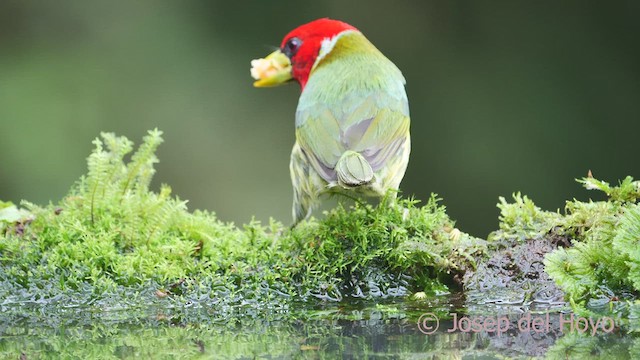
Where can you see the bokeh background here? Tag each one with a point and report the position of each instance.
(504, 96)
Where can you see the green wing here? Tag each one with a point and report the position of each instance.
(375, 126)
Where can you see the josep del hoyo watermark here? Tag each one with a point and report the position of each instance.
(429, 323)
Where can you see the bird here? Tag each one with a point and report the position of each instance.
(352, 120)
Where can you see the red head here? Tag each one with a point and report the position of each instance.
(302, 45)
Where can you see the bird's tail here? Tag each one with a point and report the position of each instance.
(353, 170)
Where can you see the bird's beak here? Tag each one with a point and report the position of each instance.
(273, 70)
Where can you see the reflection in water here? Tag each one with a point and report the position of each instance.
(334, 331)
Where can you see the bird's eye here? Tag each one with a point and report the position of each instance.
(291, 47)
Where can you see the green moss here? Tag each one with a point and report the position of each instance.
(522, 219)
(626, 243)
(382, 251)
(598, 266)
(112, 239)
(112, 233)
(601, 267)
(592, 250)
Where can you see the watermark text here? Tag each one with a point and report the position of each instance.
(429, 323)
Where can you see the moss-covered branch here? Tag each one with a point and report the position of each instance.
(112, 231)
(113, 235)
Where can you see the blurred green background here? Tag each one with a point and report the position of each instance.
(504, 96)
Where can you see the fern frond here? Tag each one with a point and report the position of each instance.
(98, 164)
(140, 170)
(159, 211)
(118, 148)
